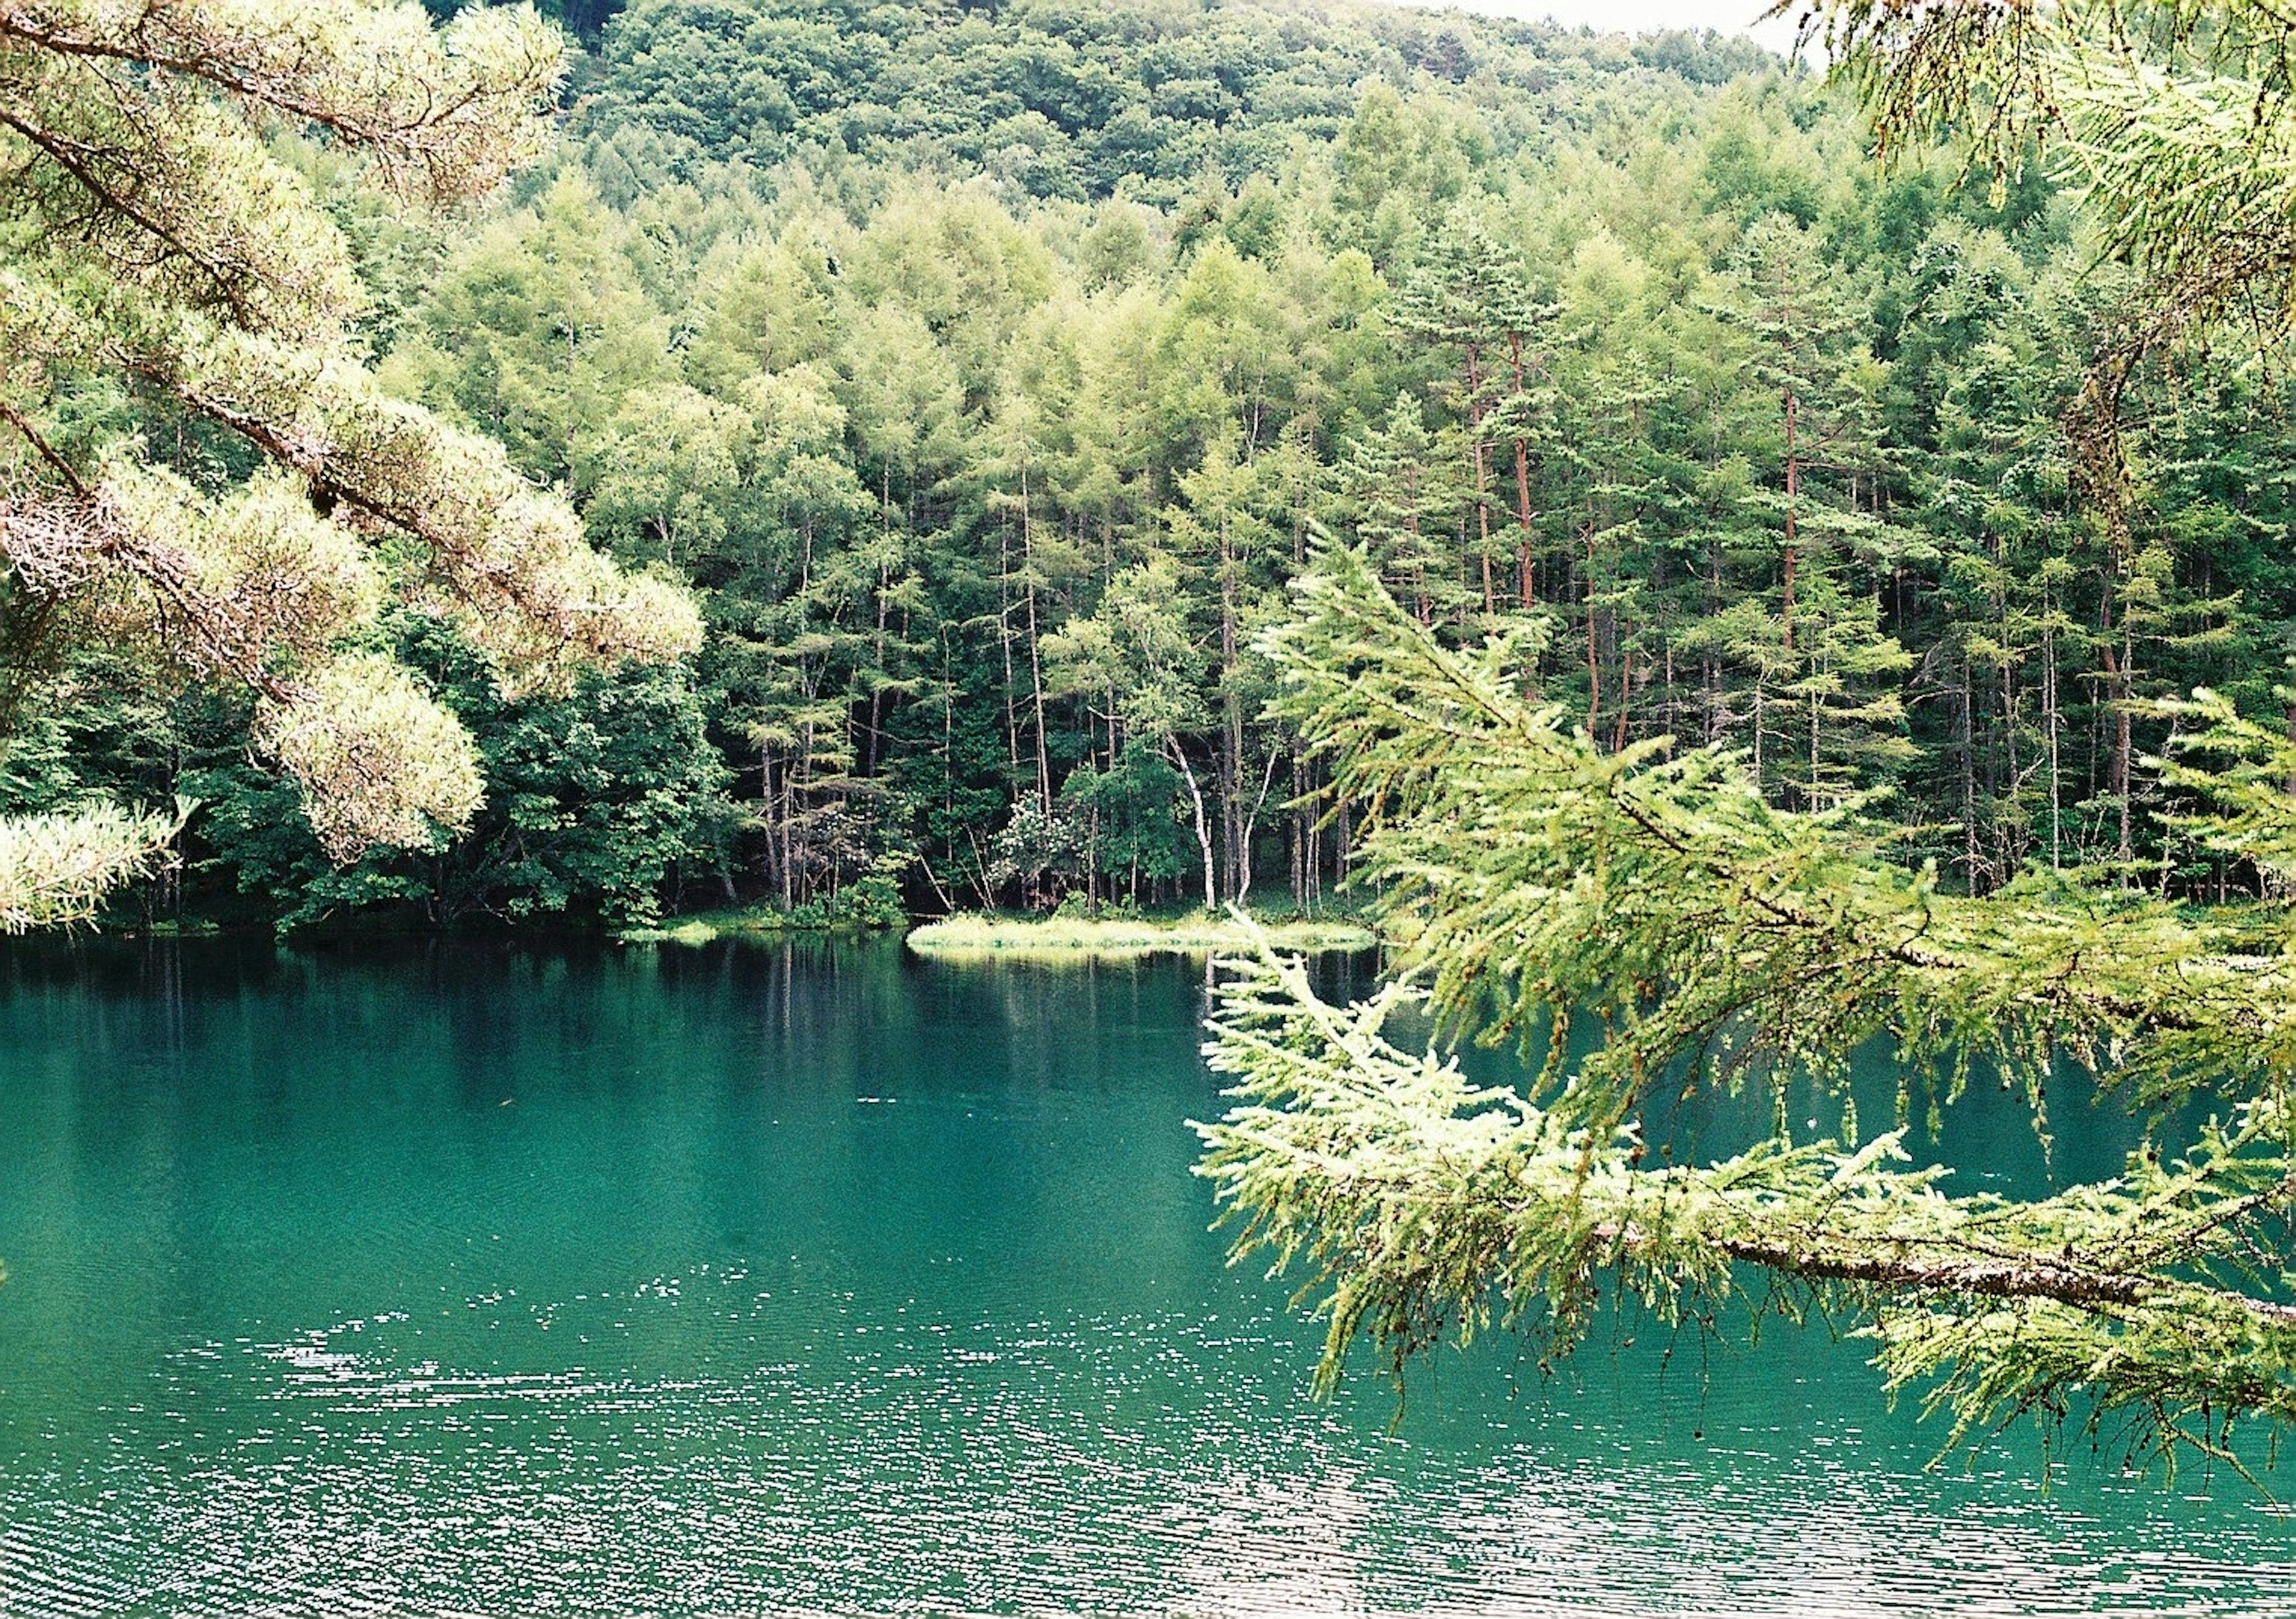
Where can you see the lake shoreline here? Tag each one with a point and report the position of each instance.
(960, 935)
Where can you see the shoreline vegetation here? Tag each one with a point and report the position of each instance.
(976, 934)
(708, 926)
(983, 935)
(966, 935)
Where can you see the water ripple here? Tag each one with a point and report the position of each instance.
(302, 1322)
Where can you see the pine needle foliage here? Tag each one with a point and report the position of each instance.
(1642, 923)
(55, 869)
(2171, 123)
(155, 241)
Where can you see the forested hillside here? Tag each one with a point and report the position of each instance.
(991, 371)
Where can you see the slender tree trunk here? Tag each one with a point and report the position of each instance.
(1298, 824)
(1709, 664)
(947, 742)
(1250, 825)
(877, 687)
(1793, 495)
(1759, 706)
(1036, 660)
(2009, 857)
(1004, 640)
(1312, 825)
(2049, 723)
(1968, 774)
(1626, 686)
(1525, 584)
(1816, 709)
(1482, 500)
(766, 813)
(1178, 756)
(1231, 752)
(2117, 674)
(1594, 657)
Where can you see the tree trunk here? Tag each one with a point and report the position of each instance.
(1230, 764)
(1594, 660)
(877, 687)
(1524, 583)
(1968, 776)
(1297, 828)
(1178, 756)
(1004, 640)
(1482, 501)
(1626, 686)
(1035, 661)
(2049, 725)
(1793, 494)
(2117, 674)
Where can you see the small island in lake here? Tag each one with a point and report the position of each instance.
(1196, 934)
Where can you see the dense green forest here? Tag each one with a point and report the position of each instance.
(991, 371)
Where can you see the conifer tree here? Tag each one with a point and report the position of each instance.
(156, 239)
(1650, 922)
(1400, 504)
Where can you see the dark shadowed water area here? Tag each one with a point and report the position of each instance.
(493, 1278)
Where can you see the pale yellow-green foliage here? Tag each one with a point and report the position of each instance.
(2173, 122)
(1423, 1206)
(285, 581)
(54, 869)
(1643, 924)
(444, 113)
(149, 232)
(382, 762)
(506, 558)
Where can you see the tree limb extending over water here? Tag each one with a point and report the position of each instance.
(1658, 927)
(151, 235)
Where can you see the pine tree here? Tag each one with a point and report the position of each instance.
(1400, 503)
(157, 237)
(1469, 295)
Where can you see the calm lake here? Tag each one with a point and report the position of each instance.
(434, 1277)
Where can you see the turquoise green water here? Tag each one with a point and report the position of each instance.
(473, 1280)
